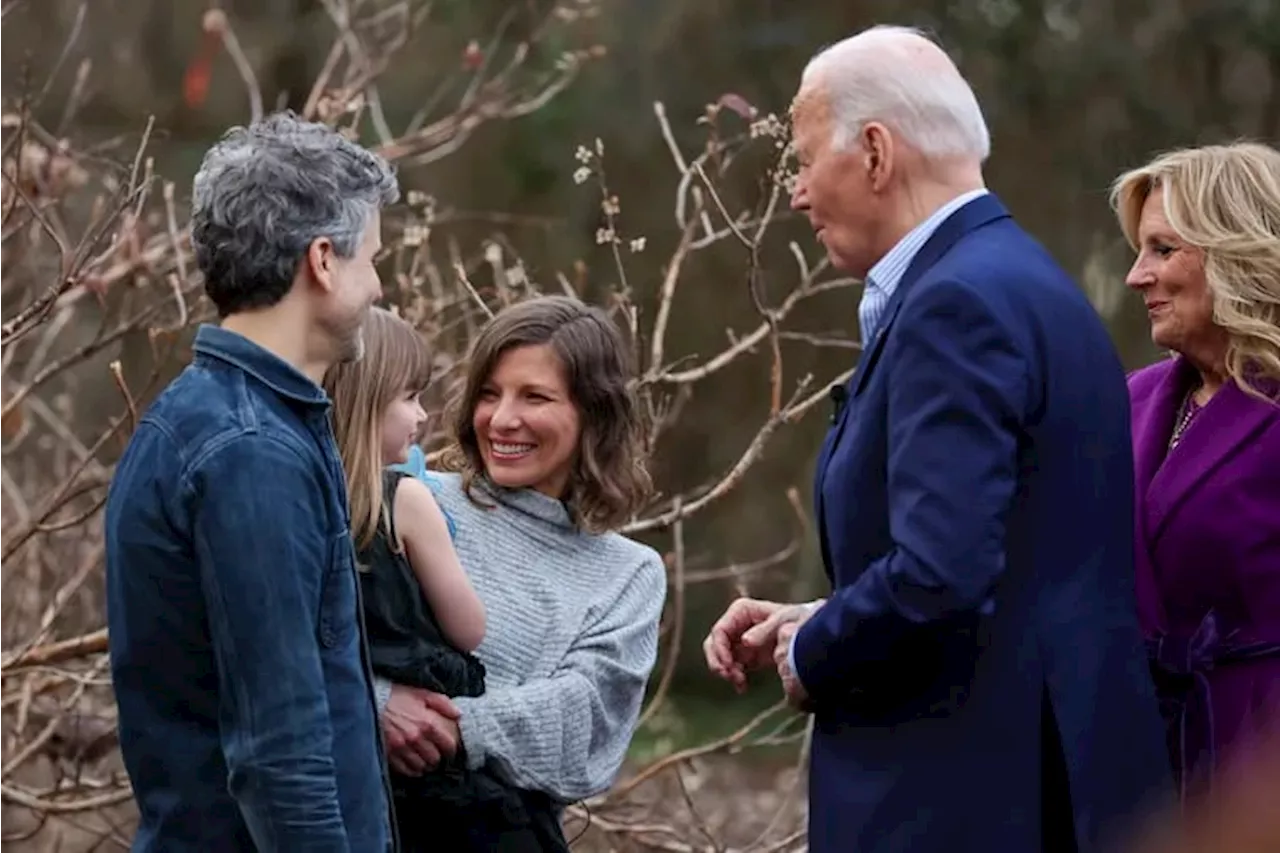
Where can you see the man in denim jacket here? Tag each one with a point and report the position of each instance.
(246, 711)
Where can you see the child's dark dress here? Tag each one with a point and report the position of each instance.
(451, 808)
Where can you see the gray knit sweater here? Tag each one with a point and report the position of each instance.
(572, 638)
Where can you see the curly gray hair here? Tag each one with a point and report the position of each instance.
(265, 192)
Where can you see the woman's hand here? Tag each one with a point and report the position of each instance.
(419, 728)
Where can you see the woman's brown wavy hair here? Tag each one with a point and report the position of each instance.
(609, 483)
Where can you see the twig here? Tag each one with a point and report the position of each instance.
(61, 651)
(752, 338)
(17, 796)
(724, 743)
(243, 66)
(461, 272)
(724, 211)
(666, 295)
(735, 474)
(117, 376)
(676, 596)
(65, 53)
(736, 571)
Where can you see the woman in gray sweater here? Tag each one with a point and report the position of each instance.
(548, 462)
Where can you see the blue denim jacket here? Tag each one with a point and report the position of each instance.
(246, 709)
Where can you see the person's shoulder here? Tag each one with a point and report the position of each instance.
(645, 562)
(418, 490)
(190, 415)
(206, 412)
(445, 486)
(1144, 380)
(1003, 257)
(234, 456)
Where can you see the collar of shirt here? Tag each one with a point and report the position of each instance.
(883, 278)
(274, 372)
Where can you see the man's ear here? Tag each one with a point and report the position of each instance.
(320, 261)
(877, 146)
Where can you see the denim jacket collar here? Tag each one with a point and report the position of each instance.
(273, 371)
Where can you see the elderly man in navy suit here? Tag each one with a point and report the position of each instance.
(977, 678)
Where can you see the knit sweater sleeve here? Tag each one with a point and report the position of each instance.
(568, 733)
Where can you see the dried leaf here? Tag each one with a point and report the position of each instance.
(11, 423)
(738, 104)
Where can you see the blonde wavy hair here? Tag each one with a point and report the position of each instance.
(396, 361)
(1225, 201)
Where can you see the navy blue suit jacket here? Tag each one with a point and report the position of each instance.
(977, 675)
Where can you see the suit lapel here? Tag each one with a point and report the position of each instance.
(982, 210)
(971, 216)
(1227, 422)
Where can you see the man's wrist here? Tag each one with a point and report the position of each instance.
(809, 608)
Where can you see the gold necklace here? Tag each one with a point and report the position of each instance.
(1186, 412)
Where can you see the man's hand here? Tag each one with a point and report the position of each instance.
(791, 685)
(742, 639)
(419, 728)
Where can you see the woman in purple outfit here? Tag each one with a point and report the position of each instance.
(1205, 223)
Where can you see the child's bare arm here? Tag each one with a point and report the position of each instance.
(425, 535)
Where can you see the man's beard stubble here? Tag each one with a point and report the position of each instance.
(352, 348)
(347, 337)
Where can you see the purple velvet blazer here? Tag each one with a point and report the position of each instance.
(1208, 564)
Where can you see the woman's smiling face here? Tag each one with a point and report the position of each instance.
(1170, 275)
(527, 425)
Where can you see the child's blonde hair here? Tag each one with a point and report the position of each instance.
(396, 361)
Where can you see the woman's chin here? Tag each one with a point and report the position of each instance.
(1162, 338)
(502, 475)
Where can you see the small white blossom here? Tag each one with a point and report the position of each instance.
(770, 125)
(583, 154)
(637, 245)
(599, 147)
(605, 235)
(416, 235)
(516, 276)
(610, 206)
(581, 174)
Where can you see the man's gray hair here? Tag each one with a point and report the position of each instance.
(265, 192)
(887, 74)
